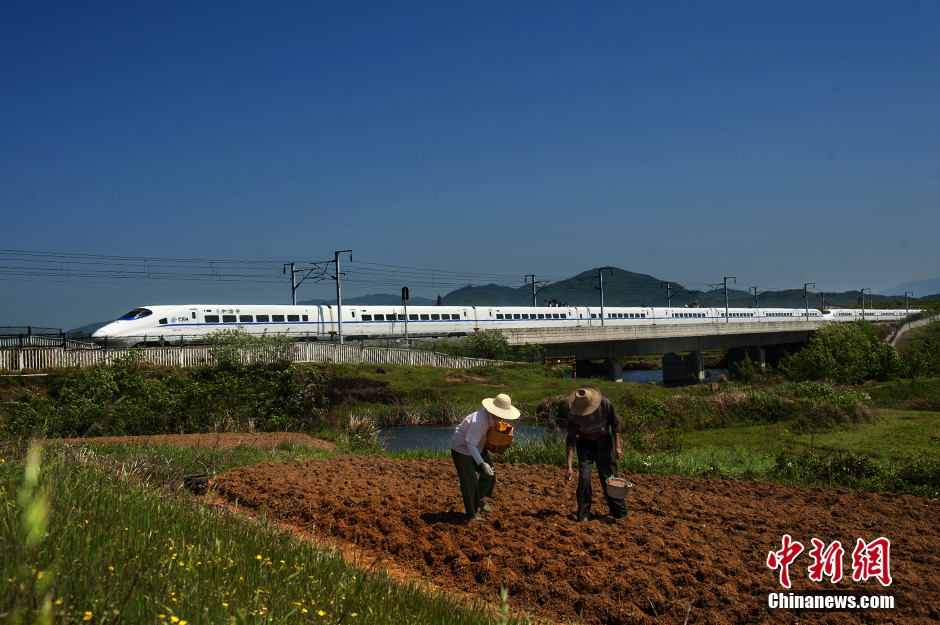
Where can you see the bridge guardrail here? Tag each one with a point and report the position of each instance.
(38, 358)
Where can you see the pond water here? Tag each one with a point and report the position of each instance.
(421, 437)
(656, 376)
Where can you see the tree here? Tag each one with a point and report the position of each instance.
(845, 353)
(491, 344)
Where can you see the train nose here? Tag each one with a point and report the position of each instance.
(100, 334)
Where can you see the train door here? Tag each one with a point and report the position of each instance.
(329, 326)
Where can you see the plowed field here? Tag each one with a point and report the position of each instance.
(687, 542)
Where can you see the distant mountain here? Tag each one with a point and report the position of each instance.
(918, 287)
(626, 288)
(378, 299)
(621, 288)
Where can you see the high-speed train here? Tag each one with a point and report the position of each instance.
(172, 325)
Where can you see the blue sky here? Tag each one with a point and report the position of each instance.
(778, 142)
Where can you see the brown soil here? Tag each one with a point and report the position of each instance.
(228, 440)
(686, 540)
(461, 377)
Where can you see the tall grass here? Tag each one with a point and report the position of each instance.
(81, 544)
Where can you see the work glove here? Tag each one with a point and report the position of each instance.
(488, 469)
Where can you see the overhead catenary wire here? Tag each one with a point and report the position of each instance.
(40, 266)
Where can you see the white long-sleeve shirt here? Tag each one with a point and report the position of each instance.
(470, 436)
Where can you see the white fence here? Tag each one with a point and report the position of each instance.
(38, 358)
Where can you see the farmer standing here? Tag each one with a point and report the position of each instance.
(594, 429)
(474, 467)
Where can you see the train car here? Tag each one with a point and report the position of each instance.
(178, 324)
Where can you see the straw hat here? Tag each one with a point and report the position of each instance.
(501, 407)
(584, 400)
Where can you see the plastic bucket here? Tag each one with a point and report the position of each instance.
(618, 487)
(198, 483)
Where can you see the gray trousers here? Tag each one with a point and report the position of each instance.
(475, 484)
(600, 452)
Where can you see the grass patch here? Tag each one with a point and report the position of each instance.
(82, 542)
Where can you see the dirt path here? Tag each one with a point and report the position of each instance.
(687, 540)
(229, 440)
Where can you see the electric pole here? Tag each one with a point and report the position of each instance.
(806, 296)
(863, 300)
(755, 296)
(600, 276)
(339, 293)
(534, 292)
(293, 287)
(668, 295)
(726, 295)
(907, 306)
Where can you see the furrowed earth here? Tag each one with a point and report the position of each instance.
(692, 550)
(703, 542)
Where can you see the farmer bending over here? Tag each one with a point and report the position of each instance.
(474, 467)
(594, 428)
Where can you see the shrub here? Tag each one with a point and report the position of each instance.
(845, 353)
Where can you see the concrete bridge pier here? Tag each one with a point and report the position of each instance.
(610, 369)
(774, 353)
(736, 356)
(683, 370)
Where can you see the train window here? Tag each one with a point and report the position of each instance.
(162, 321)
(412, 317)
(516, 316)
(593, 316)
(293, 317)
(246, 318)
(379, 318)
(261, 318)
(137, 313)
(364, 317)
(435, 317)
(445, 316)
(643, 315)
(305, 317)
(277, 318)
(554, 315)
(525, 315)
(499, 315)
(228, 318)
(541, 316)
(425, 317)
(401, 317)
(211, 319)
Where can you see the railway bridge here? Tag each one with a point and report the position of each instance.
(761, 341)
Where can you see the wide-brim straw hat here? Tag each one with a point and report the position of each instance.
(501, 406)
(584, 400)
